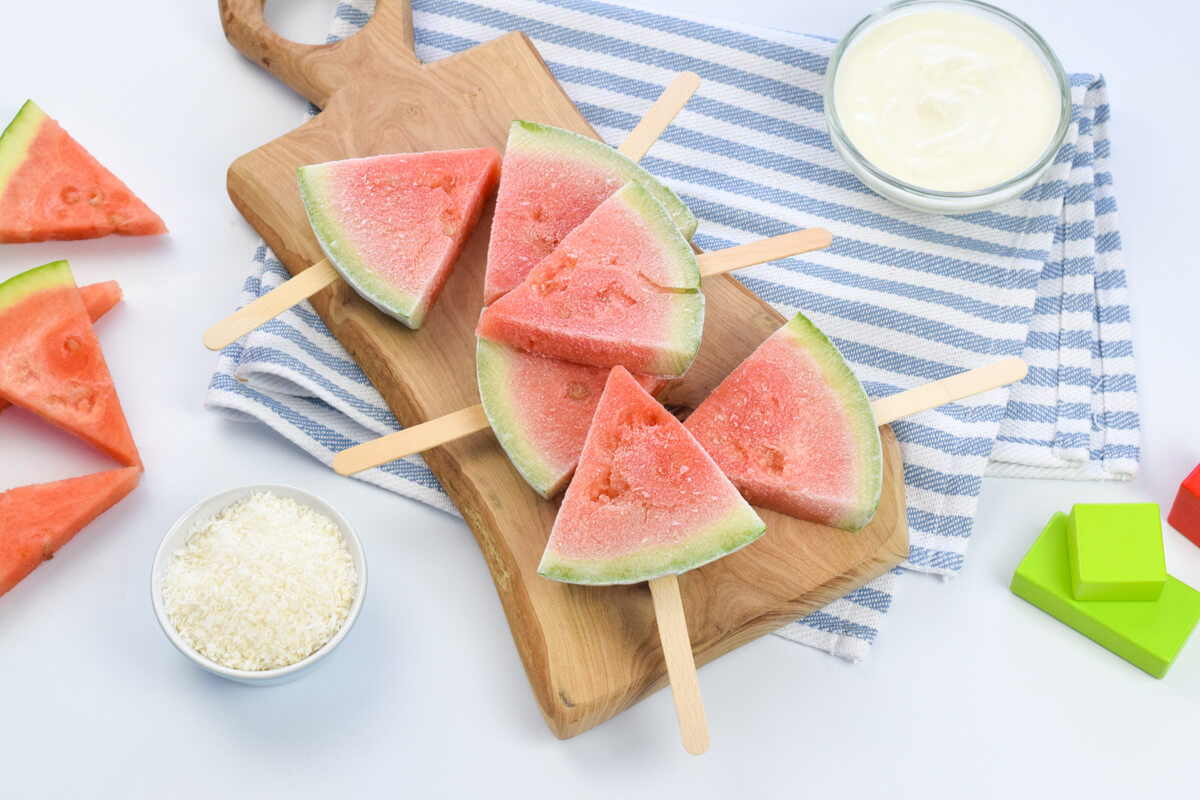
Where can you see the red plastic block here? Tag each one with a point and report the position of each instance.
(1185, 513)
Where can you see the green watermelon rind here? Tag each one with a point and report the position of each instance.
(738, 528)
(16, 139)
(491, 370)
(687, 325)
(535, 137)
(845, 384)
(48, 276)
(344, 257)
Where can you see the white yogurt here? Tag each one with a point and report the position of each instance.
(946, 100)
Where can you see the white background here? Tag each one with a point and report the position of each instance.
(968, 692)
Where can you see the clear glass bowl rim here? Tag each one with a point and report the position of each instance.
(1060, 75)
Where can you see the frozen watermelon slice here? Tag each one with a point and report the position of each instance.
(623, 288)
(540, 409)
(37, 520)
(552, 179)
(51, 364)
(793, 429)
(98, 299)
(51, 188)
(393, 225)
(646, 500)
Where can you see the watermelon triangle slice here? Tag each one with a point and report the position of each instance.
(51, 363)
(623, 289)
(540, 410)
(52, 188)
(394, 225)
(552, 179)
(37, 520)
(98, 299)
(646, 500)
(793, 429)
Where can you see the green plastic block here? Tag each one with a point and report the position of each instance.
(1116, 551)
(1148, 634)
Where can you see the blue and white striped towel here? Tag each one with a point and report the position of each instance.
(907, 297)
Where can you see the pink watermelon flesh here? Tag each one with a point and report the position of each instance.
(394, 225)
(52, 188)
(98, 299)
(37, 520)
(793, 429)
(51, 363)
(540, 410)
(552, 180)
(622, 289)
(646, 500)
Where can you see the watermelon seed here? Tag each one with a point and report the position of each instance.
(70, 195)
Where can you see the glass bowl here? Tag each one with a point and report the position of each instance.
(917, 197)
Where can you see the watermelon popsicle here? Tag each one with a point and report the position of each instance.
(793, 429)
(394, 225)
(647, 503)
(646, 500)
(540, 410)
(552, 180)
(622, 288)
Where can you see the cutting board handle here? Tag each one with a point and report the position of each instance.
(316, 71)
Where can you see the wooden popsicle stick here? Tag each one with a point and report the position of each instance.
(762, 251)
(270, 305)
(681, 666)
(443, 430)
(947, 390)
(659, 117)
(417, 439)
(322, 274)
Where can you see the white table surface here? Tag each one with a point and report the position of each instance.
(968, 692)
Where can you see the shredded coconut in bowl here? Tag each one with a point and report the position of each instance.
(262, 584)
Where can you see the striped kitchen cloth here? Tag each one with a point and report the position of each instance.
(907, 297)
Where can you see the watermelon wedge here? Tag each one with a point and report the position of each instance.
(393, 225)
(51, 363)
(646, 500)
(98, 299)
(51, 188)
(540, 410)
(37, 520)
(552, 180)
(623, 288)
(793, 429)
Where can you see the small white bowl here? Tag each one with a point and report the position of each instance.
(931, 200)
(176, 538)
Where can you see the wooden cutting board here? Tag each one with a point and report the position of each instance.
(589, 653)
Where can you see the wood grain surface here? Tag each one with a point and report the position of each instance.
(589, 652)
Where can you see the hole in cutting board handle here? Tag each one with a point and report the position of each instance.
(301, 21)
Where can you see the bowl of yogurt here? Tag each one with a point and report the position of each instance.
(946, 106)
